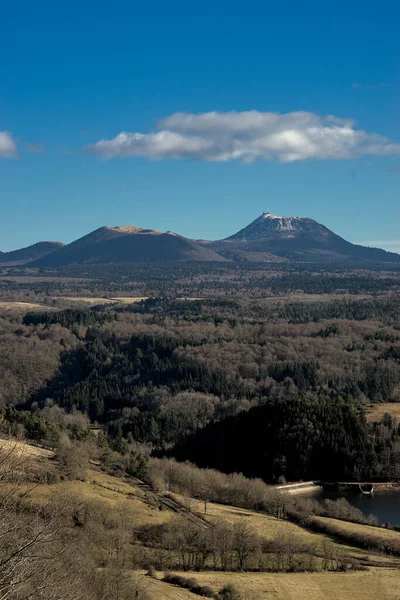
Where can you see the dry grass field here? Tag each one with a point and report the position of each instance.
(23, 449)
(372, 585)
(119, 496)
(159, 590)
(123, 299)
(111, 493)
(266, 526)
(89, 300)
(270, 527)
(343, 528)
(129, 300)
(22, 306)
(93, 300)
(375, 412)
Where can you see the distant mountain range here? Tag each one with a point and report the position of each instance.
(269, 238)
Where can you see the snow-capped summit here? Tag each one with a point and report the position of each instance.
(269, 226)
(293, 238)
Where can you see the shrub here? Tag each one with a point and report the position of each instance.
(73, 458)
(229, 592)
(190, 584)
(151, 572)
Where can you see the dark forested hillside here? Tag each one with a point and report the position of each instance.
(300, 436)
(235, 373)
(130, 384)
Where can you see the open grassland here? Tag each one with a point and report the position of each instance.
(129, 300)
(22, 449)
(109, 492)
(94, 300)
(269, 528)
(22, 306)
(265, 525)
(377, 537)
(372, 585)
(112, 300)
(89, 300)
(159, 590)
(375, 412)
(137, 508)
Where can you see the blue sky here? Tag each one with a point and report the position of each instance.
(74, 75)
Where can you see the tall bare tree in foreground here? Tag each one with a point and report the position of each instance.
(35, 560)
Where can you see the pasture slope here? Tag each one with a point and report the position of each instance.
(142, 506)
(376, 584)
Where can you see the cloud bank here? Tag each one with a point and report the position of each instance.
(248, 136)
(8, 148)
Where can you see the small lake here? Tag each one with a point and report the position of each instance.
(385, 505)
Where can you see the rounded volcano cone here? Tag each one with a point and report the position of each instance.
(125, 244)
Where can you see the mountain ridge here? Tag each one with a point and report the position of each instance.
(269, 238)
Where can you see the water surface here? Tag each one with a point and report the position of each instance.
(385, 506)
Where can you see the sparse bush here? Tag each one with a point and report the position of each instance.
(73, 458)
(152, 572)
(229, 592)
(189, 584)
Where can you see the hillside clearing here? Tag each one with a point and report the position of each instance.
(375, 412)
(114, 494)
(269, 527)
(93, 300)
(159, 590)
(10, 305)
(377, 536)
(265, 525)
(24, 449)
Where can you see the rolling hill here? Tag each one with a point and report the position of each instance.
(28, 254)
(108, 245)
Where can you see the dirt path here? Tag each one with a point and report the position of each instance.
(171, 504)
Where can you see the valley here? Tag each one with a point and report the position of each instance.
(199, 301)
(110, 512)
(163, 407)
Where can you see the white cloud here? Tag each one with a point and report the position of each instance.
(248, 136)
(8, 148)
(164, 144)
